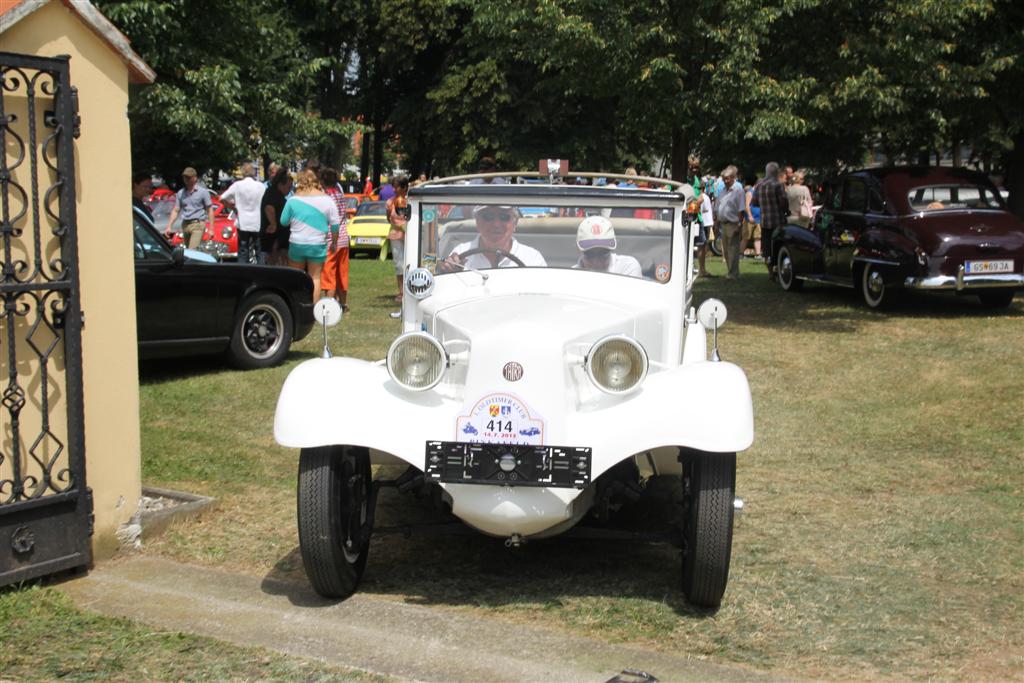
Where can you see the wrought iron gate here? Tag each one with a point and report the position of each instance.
(45, 506)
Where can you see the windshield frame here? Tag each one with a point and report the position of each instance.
(559, 196)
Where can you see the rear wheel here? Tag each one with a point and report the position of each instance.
(787, 273)
(997, 298)
(709, 482)
(873, 290)
(333, 506)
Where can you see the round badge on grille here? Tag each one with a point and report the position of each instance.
(513, 371)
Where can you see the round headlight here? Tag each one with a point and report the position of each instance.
(225, 232)
(617, 364)
(417, 361)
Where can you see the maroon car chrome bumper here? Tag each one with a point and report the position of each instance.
(963, 281)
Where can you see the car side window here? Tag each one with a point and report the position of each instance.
(837, 197)
(875, 202)
(148, 247)
(854, 195)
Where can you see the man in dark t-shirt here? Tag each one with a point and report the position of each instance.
(142, 187)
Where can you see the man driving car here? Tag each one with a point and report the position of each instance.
(495, 245)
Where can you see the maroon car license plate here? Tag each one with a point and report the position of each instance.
(978, 267)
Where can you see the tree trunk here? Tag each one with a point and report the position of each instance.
(1015, 175)
(364, 158)
(680, 154)
(378, 148)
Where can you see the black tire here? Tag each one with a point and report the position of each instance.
(715, 244)
(787, 272)
(709, 482)
(996, 298)
(262, 332)
(333, 504)
(873, 290)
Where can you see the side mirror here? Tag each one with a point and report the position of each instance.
(178, 255)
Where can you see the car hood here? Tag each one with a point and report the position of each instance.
(939, 233)
(546, 323)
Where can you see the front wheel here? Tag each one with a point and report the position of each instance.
(333, 507)
(787, 273)
(709, 482)
(262, 331)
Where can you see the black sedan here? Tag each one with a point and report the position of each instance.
(889, 229)
(188, 307)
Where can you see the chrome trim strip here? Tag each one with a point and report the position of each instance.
(962, 282)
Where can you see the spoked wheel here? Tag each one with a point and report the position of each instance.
(873, 290)
(709, 482)
(333, 509)
(787, 273)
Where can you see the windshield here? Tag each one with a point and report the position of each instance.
(623, 241)
(372, 209)
(952, 197)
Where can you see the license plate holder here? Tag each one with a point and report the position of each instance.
(988, 266)
(370, 241)
(481, 463)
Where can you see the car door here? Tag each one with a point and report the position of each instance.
(845, 227)
(173, 302)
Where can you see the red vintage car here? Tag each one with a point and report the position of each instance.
(221, 242)
(883, 230)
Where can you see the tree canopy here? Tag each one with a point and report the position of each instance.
(821, 83)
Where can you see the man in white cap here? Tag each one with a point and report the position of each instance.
(596, 240)
(495, 245)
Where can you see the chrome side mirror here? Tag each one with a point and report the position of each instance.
(712, 314)
(327, 312)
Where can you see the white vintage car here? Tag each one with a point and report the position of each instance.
(550, 363)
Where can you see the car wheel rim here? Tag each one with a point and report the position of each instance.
(785, 269)
(262, 331)
(874, 286)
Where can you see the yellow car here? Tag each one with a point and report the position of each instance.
(368, 229)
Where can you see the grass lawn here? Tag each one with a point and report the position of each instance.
(883, 534)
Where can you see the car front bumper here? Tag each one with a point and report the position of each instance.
(961, 281)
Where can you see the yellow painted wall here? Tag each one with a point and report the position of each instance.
(106, 266)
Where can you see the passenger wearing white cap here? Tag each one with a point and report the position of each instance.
(495, 246)
(596, 240)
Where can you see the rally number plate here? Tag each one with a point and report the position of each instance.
(508, 464)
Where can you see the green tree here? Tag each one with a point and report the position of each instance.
(234, 81)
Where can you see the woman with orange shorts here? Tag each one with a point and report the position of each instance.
(334, 276)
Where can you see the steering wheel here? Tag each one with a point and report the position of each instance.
(500, 253)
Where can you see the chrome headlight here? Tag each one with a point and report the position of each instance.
(616, 364)
(417, 361)
(225, 232)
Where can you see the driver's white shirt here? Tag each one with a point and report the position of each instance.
(528, 255)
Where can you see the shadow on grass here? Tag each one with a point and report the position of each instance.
(473, 570)
(756, 301)
(159, 370)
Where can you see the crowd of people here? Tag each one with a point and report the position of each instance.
(746, 216)
(300, 221)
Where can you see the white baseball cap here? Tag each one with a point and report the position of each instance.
(595, 232)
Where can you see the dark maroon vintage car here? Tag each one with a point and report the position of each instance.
(888, 229)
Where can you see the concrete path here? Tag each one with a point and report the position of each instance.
(394, 639)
